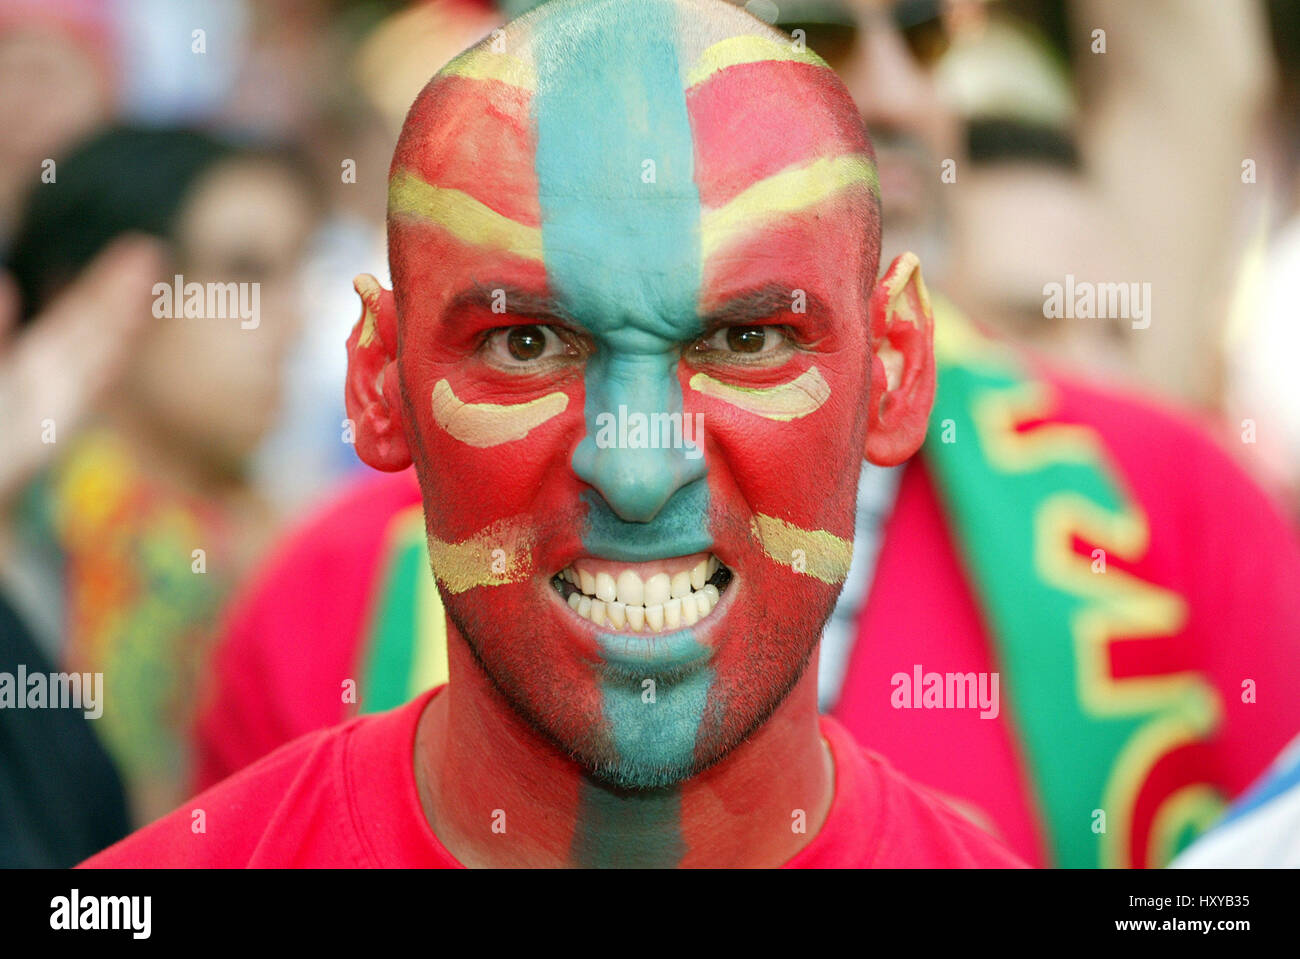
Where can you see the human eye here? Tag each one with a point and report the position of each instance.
(528, 347)
(748, 344)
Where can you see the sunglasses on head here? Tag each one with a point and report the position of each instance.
(831, 28)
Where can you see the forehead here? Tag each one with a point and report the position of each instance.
(626, 151)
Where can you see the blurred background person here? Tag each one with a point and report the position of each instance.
(1025, 214)
(329, 76)
(148, 516)
(1263, 338)
(60, 795)
(58, 76)
(1073, 133)
(373, 57)
(1079, 163)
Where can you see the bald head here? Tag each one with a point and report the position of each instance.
(628, 149)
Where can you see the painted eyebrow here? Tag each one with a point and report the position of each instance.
(746, 308)
(519, 302)
(759, 304)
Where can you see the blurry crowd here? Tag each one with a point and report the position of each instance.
(149, 460)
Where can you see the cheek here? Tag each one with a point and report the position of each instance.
(796, 456)
(795, 452)
(484, 456)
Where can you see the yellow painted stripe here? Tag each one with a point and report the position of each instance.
(481, 63)
(813, 552)
(788, 401)
(462, 216)
(489, 424)
(996, 413)
(791, 190)
(735, 51)
(501, 553)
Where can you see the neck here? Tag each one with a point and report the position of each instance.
(498, 794)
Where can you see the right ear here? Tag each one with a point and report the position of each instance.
(372, 395)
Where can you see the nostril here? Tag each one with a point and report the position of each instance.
(636, 483)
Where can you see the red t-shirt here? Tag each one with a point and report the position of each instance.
(346, 797)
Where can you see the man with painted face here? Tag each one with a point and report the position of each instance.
(599, 224)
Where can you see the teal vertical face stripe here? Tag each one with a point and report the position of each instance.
(621, 252)
(621, 223)
(627, 830)
(621, 240)
(678, 529)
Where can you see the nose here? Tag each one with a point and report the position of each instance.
(636, 452)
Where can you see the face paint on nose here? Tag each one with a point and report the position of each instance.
(621, 240)
(620, 233)
(636, 475)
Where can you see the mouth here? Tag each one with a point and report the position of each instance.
(653, 597)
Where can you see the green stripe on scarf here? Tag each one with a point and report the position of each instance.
(406, 645)
(1014, 501)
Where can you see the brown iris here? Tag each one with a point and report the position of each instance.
(526, 342)
(746, 339)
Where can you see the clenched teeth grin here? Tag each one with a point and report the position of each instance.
(655, 597)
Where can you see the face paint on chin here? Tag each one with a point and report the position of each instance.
(584, 688)
(556, 671)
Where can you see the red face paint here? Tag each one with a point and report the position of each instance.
(509, 504)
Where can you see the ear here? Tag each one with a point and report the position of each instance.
(372, 395)
(902, 364)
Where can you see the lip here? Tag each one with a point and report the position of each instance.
(646, 568)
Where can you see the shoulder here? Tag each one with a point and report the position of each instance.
(227, 825)
(881, 818)
(294, 807)
(920, 830)
(222, 826)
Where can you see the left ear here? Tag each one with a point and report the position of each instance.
(902, 364)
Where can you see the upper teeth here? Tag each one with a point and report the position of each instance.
(660, 602)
